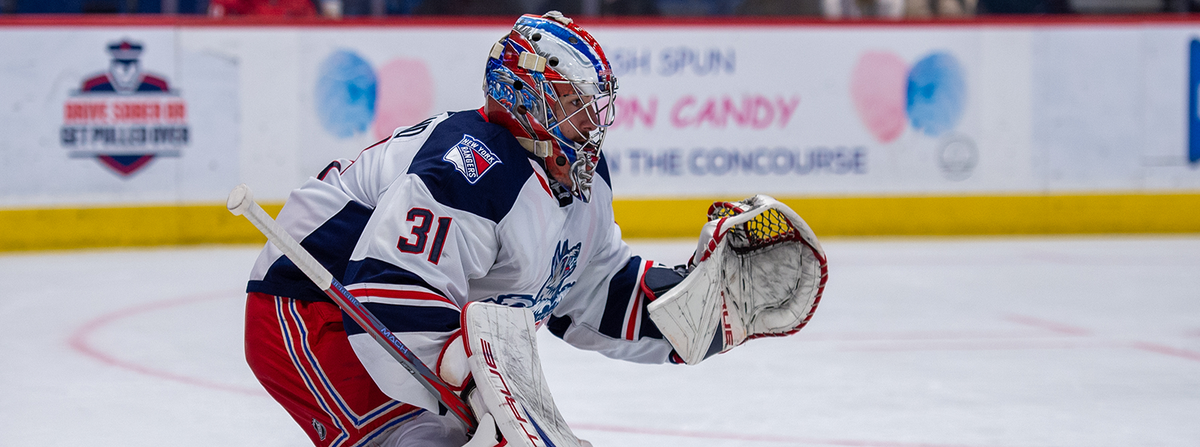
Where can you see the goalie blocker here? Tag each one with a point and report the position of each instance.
(758, 271)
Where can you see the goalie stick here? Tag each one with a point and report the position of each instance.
(241, 203)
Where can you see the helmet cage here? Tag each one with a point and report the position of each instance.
(543, 74)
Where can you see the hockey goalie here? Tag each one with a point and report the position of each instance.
(464, 234)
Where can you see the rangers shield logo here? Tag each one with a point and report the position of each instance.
(472, 158)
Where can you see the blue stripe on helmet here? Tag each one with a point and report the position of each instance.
(565, 34)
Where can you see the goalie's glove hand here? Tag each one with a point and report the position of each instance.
(485, 434)
(758, 271)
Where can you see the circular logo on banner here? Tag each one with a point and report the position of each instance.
(352, 96)
(936, 93)
(930, 96)
(877, 88)
(405, 95)
(958, 157)
(345, 94)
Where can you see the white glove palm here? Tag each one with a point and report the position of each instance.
(758, 271)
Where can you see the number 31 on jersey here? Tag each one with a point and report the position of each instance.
(422, 220)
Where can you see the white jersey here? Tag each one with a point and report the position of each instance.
(454, 210)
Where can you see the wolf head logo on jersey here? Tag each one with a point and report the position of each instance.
(472, 158)
(563, 266)
(555, 287)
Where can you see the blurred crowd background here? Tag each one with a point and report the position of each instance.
(833, 9)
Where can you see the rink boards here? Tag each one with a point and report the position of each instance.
(983, 127)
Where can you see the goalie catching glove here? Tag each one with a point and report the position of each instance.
(758, 271)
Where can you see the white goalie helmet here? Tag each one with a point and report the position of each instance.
(550, 84)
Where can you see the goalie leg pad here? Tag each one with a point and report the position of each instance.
(502, 352)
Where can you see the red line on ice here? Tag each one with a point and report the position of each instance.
(914, 336)
(1048, 325)
(80, 342)
(1166, 350)
(983, 345)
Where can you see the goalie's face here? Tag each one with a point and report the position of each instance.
(581, 117)
(576, 115)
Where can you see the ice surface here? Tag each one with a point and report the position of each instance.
(999, 342)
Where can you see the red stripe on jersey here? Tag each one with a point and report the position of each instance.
(545, 186)
(403, 294)
(633, 316)
(635, 306)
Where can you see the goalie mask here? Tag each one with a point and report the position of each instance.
(549, 83)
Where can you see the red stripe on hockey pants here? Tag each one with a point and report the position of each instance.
(299, 352)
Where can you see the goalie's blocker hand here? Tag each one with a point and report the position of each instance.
(758, 271)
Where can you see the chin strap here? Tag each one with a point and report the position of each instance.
(540, 148)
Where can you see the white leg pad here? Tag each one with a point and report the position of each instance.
(502, 352)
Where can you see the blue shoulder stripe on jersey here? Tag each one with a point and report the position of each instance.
(375, 271)
(331, 244)
(602, 169)
(620, 289)
(489, 193)
(400, 319)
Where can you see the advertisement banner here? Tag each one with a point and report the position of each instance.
(114, 116)
(790, 112)
(128, 115)
(933, 128)
(701, 111)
